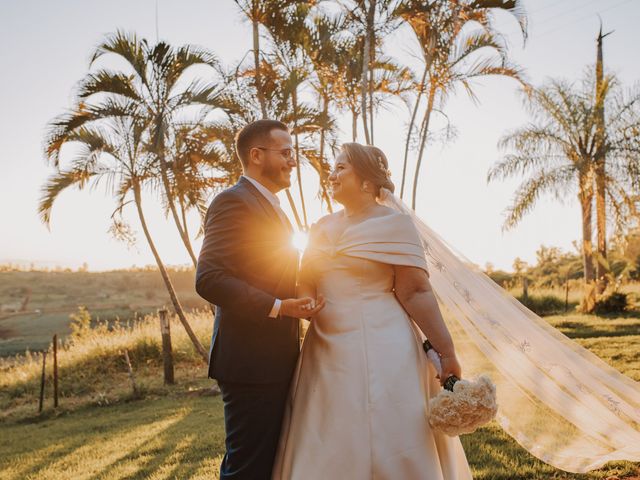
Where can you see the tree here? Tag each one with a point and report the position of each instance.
(112, 151)
(256, 12)
(323, 46)
(454, 55)
(370, 21)
(559, 150)
(152, 87)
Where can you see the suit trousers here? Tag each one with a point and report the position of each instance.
(253, 418)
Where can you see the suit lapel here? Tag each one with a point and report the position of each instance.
(264, 203)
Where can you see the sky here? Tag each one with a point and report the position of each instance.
(44, 51)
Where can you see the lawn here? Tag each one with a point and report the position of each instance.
(159, 438)
(180, 436)
(101, 431)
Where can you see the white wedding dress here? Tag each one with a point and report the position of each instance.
(358, 406)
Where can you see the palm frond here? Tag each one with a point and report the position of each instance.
(185, 57)
(105, 81)
(56, 183)
(129, 47)
(530, 191)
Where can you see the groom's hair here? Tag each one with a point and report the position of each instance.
(255, 134)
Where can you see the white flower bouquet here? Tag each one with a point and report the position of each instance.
(463, 405)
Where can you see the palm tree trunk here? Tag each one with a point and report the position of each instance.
(601, 222)
(183, 215)
(185, 229)
(294, 101)
(411, 124)
(354, 125)
(294, 209)
(586, 204)
(372, 58)
(325, 195)
(423, 141)
(600, 171)
(364, 83)
(256, 61)
(174, 212)
(165, 277)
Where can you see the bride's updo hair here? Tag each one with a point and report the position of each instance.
(370, 164)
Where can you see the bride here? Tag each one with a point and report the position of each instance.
(358, 403)
(358, 406)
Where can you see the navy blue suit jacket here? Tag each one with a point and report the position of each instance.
(246, 262)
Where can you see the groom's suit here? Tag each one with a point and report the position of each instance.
(248, 261)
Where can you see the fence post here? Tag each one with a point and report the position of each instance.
(55, 371)
(566, 296)
(167, 354)
(42, 379)
(134, 387)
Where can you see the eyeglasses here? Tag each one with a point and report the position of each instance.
(285, 152)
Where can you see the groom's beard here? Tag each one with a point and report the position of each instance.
(277, 174)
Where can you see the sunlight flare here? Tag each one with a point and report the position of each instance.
(300, 240)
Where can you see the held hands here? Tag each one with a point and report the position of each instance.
(304, 307)
(450, 366)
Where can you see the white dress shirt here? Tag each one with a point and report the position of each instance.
(275, 202)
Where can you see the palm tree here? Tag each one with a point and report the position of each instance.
(389, 79)
(287, 27)
(201, 167)
(370, 21)
(323, 46)
(451, 55)
(114, 152)
(559, 150)
(152, 89)
(616, 158)
(257, 12)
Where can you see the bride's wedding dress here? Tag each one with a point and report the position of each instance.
(358, 405)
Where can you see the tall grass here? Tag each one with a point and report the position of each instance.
(88, 364)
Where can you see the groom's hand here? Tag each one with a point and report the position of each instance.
(304, 307)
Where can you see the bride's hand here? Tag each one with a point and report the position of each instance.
(304, 307)
(450, 366)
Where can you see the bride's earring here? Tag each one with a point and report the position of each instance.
(364, 187)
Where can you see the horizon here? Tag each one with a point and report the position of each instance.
(561, 44)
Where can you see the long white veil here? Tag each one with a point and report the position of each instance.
(558, 400)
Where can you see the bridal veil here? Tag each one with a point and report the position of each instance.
(558, 400)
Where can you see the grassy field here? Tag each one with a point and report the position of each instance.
(53, 296)
(180, 436)
(101, 430)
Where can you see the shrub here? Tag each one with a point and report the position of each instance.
(616, 302)
(543, 304)
(80, 322)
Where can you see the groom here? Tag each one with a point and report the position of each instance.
(247, 268)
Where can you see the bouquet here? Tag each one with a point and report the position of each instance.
(463, 405)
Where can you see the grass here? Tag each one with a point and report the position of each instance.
(576, 325)
(101, 430)
(159, 438)
(178, 436)
(92, 369)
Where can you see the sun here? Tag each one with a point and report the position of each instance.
(300, 240)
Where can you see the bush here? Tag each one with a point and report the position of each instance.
(543, 305)
(615, 303)
(80, 322)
